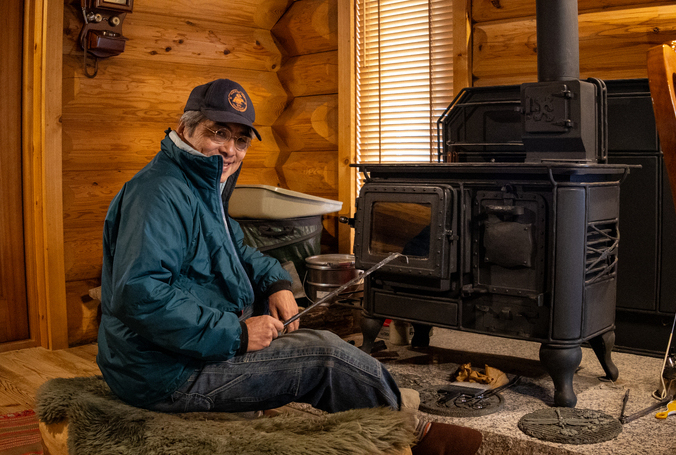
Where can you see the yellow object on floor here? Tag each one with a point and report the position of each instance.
(492, 376)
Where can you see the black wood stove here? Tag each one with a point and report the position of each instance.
(514, 231)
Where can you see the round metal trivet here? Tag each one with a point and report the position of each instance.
(440, 401)
(570, 425)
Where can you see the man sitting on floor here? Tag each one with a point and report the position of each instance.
(192, 317)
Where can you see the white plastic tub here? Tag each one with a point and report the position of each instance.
(273, 203)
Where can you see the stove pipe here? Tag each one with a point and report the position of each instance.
(558, 46)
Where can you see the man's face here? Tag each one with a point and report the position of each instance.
(208, 139)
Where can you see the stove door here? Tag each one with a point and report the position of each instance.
(418, 221)
(510, 243)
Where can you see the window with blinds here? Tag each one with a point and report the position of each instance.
(404, 78)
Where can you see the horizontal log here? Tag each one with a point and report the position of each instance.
(312, 74)
(618, 73)
(608, 41)
(259, 176)
(177, 40)
(308, 27)
(122, 146)
(309, 123)
(83, 312)
(83, 253)
(259, 13)
(494, 10)
(312, 172)
(87, 195)
(156, 92)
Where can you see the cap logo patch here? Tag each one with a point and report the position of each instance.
(237, 100)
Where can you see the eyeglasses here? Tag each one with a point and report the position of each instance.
(224, 135)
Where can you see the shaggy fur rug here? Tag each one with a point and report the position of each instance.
(100, 423)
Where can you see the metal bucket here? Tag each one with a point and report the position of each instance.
(327, 272)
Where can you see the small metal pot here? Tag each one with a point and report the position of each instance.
(327, 272)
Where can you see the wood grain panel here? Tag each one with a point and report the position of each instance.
(18, 369)
(130, 145)
(312, 172)
(204, 42)
(608, 41)
(87, 195)
(312, 74)
(181, 40)
(308, 27)
(310, 123)
(258, 13)
(260, 176)
(13, 303)
(83, 254)
(493, 10)
(617, 73)
(83, 312)
(156, 93)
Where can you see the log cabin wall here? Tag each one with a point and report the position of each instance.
(614, 38)
(307, 131)
(113, 123)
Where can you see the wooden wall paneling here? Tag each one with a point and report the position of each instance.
(84, 313)
(41, 129)
(493, 10)
(310, 123)
(260, 176)
(313, 172)
(610, 42)
(177, 40)
(311, 74)
(87, 195)
(258, 13)
(462, 44)
(14, 322)
(110, 146)
(83, 253)
(153, 92)
(308, 27)
(347, 176)
(200, 42)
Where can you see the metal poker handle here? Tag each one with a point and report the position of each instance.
(352, 282)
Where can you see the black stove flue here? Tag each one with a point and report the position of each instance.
(514, 231)
(557, 40)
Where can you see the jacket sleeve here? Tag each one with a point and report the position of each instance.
(146, 245)
(266, 273)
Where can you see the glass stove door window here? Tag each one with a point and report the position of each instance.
(404, 77)
(401, 227)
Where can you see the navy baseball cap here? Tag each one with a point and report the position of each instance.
(223, 101)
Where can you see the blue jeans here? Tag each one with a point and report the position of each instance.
(305, 366)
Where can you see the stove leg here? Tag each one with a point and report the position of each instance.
(370, 327)
(603, 346)
(561, 364)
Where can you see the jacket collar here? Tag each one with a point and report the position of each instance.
(204, 172)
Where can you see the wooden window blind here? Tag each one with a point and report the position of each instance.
(404, 80)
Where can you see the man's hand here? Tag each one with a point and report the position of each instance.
(262, 330)
(282, 307)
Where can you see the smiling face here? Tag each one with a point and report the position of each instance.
(204, 140)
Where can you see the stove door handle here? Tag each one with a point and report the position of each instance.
(514, 210)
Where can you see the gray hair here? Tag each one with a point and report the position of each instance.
(190, 120)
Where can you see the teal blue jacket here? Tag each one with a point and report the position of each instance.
(175, 278)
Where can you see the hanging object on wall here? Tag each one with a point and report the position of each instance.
(101, 36)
